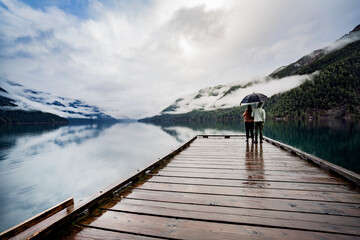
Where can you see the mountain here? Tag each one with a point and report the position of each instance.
(20, 104)
(322, 83)
(33, 117)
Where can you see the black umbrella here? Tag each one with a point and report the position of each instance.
(253, 98)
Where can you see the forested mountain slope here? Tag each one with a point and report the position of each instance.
(334, 92)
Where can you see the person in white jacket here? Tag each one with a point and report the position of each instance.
(259, 119)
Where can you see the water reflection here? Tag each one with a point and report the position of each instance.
(184, 132)
(9, 135)
(43, 165)
(79, 134)
(254, 161)
(202, 127)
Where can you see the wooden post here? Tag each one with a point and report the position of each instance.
(36, 219)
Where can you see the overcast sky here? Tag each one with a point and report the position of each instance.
(134, 58)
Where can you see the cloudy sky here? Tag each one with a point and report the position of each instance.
(135, 57)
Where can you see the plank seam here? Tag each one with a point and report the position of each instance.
(246, 187)
(244, 179)
(230, 222)
(122, 231)
(232, 214)
(250, 170)
(235, 171)
(247, 196)
(275, 210)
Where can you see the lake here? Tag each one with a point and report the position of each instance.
(42, 165)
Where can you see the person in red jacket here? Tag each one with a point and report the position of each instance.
(249, 123)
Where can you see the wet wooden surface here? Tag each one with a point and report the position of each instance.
(227, 189)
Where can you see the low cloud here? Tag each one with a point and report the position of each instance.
(220, 96)
(352, 37)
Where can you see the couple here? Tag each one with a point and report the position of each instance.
(258, 116)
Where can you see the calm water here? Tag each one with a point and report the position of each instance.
(41, 165)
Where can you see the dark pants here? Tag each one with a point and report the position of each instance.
(259, 126)
(249, 127)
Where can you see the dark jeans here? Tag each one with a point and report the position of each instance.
(249, 127)
(259, 126)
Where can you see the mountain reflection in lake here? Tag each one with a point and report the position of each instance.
(42, 165)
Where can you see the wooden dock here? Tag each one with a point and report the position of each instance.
(221, 187)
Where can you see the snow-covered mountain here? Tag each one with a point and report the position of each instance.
(281, 80)
(14, 96)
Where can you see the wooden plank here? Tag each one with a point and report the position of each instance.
(172, 228)
(235, 144)
(341, 209)
(99, 234)
(231, 152)
(302, 179)
(241, 172)
(249, 167)
(236, 219)
(235, 147)
(251, 192)
(244, 160)
(36, 219)
(217, 136)
(45, 224)
(266, 214)
(239, 155)
(76, 232)
(257, 184)
(223, 155)
(243, 164)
